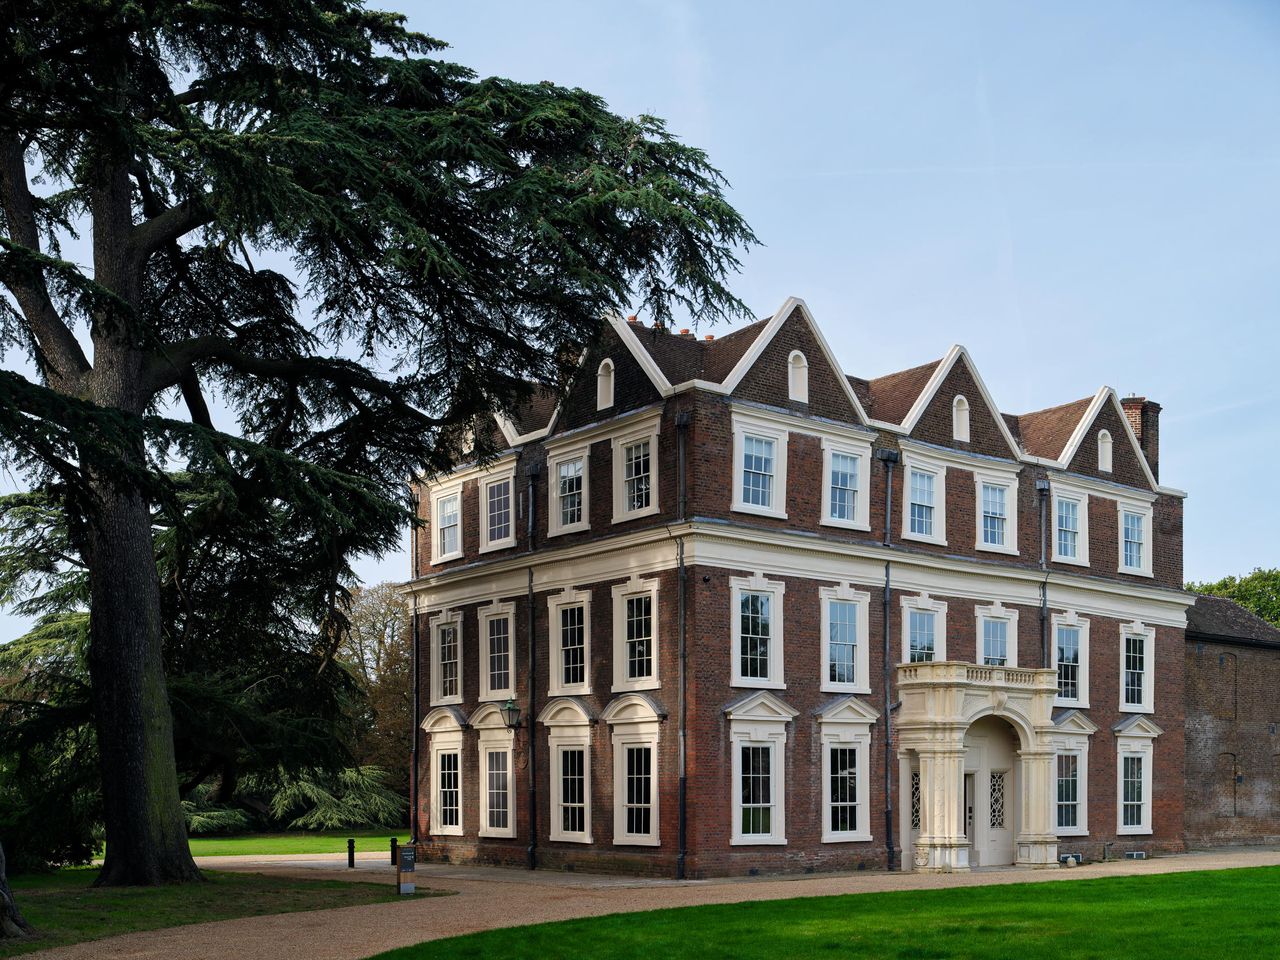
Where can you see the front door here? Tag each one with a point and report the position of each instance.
(990, 792)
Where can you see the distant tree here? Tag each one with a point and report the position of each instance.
(379, 649)
(1258, 591)
(456, 239)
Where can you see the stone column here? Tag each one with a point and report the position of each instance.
(942, 846)
(1036, 844)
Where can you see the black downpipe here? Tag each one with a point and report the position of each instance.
(533, 703)
(1042, 487)
(682, 427)
(417, 675)
(888, 458)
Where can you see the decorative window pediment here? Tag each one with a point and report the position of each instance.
(633, 708)
(444, 720)
(1137, 726)
(847, 710)
(566, 712)
(761, 706)
(1074, 722)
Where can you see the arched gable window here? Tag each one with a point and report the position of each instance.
(1104, 451)
(960, 419)
(604, 385)
(797, 377)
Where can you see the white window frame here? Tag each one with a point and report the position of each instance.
(860, 451)
(997, 612)
(446, 741)
(960, 419)
(568, 598)
(507, 476)
(1072, 738)
(855, 734)
(439, 495)
(635, 587)
(914, 463)
(752, 732)
(572, 734)
(1063, 491)
(797, 377)
(1140, 629)
(924, 602)
(1134, 745)
(845, 593)
(604, 384)
(484, 615)
(494, 737)
(1010, 484)
(644, 431)
(1147, 513)
(434, 623)
(1070, 618)
(745, 426)
(634, 724)
(556, 457)
(777, 589)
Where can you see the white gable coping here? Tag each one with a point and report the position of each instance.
(940, 374)
(1090, 415)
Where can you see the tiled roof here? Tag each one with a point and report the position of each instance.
(1045, 433)
(1218, 617)
(892, 396)
(535, 412)
(683, 358)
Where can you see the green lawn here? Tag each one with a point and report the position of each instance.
(1230, 913)
(66, 909)
(335, 842)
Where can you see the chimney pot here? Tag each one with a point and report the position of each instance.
(709, 336)
(684, 331)
(632, 319)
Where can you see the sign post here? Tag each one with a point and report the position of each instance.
(406, 857)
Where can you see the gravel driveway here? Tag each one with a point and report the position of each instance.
(492, 897)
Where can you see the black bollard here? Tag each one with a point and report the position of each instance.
(351, 853)
(395, 842)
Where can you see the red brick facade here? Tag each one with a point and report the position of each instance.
(806, 555)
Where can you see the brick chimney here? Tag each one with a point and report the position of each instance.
(1144, 417)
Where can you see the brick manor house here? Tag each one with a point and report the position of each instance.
(724, 609)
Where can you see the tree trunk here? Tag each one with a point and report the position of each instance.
(146, 831)
(12, 925)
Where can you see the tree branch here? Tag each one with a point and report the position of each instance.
(57, 351)
(175, 222)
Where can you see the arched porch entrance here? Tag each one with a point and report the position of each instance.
(975, 765)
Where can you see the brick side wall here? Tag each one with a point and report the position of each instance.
(1125, 467)
(1233, 744)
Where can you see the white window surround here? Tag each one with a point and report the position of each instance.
(847, 724)
(1146, 512)
(1135, 738)
(960, 419)
(1070, 736)
(633, 723)
(913, 462)
(635, 587)
(604, 385)
(568, 727)
(494, 737)
(434, 623)
(437, 496)
(555, 603)
(861, 661)
(1009, 481)
(797, 377)
(760, 719)
(1070, 618)
(508, 476)
(1080, 495)
(1140, 629)
(496, 611)
(939, 609)
(1104, 451)
(646, 429)
(777, 590)
(555, 457)
(1009, 615)
(861, 451)
(446, 737)
(746, 426)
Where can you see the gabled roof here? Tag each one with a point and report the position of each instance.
(893, 395)
(1217, 618)
(530, 418)
(1045, 432)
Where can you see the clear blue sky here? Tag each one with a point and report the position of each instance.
(1081, 194)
